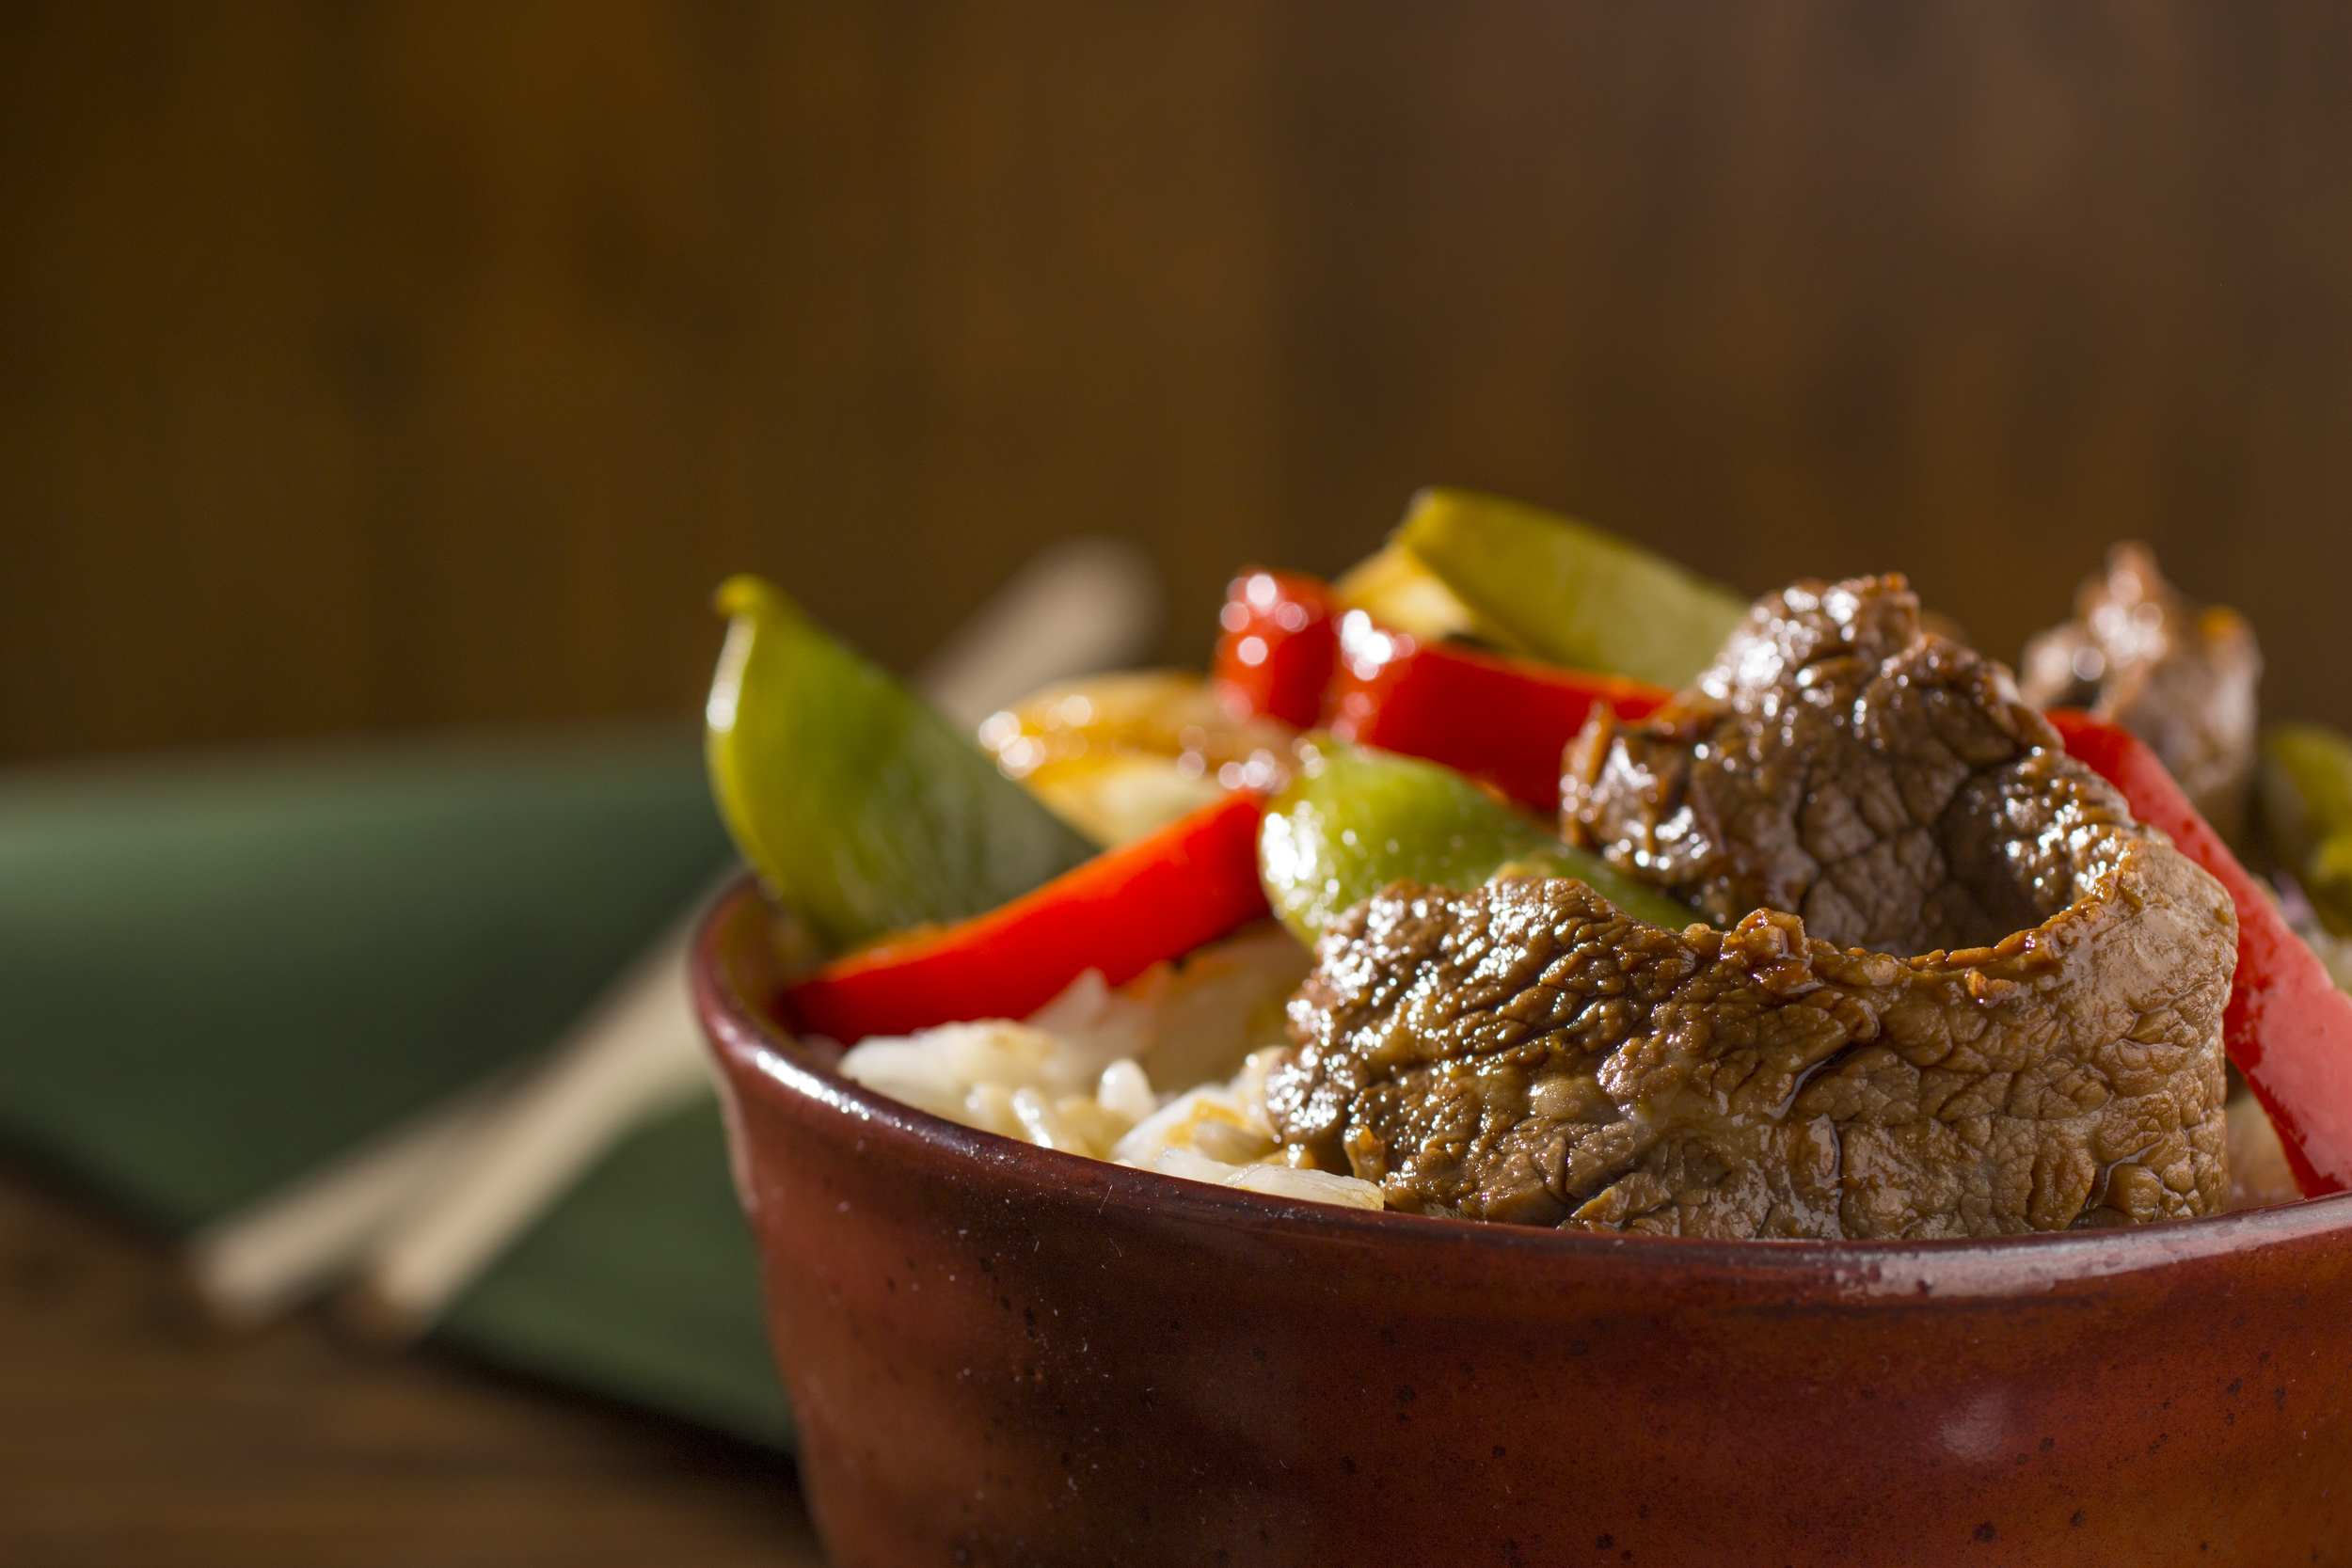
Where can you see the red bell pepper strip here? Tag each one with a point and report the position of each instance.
(1280, 639)
(1160, 897)
(2288, 1028)
(1494, 717)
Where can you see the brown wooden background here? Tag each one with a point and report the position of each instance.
(374, 366)
(378, 366)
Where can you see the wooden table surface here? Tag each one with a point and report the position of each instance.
(133, 1429)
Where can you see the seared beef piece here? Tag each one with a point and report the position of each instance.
(1839, 762)
(2180, 676)
(1531, 1054)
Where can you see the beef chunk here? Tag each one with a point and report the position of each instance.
(1841, 764)
(1529, 1053)
(2179, 675)
(1958, 991)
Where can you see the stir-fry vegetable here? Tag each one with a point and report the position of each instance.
(1281, 638)
(2306, 780)
(1570, 592)
(1502, 719)
(858, 803)
(1121, 755)
(1121, 912)
(1359, 819)
(2288, 1029)
(1496, 718)
(1392, 587)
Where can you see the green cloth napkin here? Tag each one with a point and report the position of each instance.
(641, 1285)
(217, 975)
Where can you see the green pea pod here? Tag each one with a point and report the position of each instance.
(2306, 798)
(1572, 592)
(1359, 820)
(861, 805)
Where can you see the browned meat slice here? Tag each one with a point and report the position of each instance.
(1839, 762)
(1529, 1053)
(2179, 675)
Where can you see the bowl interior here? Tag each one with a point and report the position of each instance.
(741, 966)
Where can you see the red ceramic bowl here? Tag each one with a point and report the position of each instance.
(1002, 1354)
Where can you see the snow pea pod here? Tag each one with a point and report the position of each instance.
(857, 802)
(1571, 592)
(1358, 819)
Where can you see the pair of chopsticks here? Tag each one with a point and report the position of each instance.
(404, 1224)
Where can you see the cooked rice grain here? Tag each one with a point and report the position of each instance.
(1078, 1075)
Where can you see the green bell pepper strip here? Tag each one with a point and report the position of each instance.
(1572, 592)
(2306, 798)
(1358, 819)
(859, 805)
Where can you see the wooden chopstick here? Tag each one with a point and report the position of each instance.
(419, 1213)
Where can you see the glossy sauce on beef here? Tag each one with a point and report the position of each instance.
(1948, 986)
(2181, 677)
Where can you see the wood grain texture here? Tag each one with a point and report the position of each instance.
(404, 364)
(1963, 291)
(385, 365)
(135, 1432)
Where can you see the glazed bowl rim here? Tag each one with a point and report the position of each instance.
(754, 1048)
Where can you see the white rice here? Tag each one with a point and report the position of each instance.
(1166, 1072)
